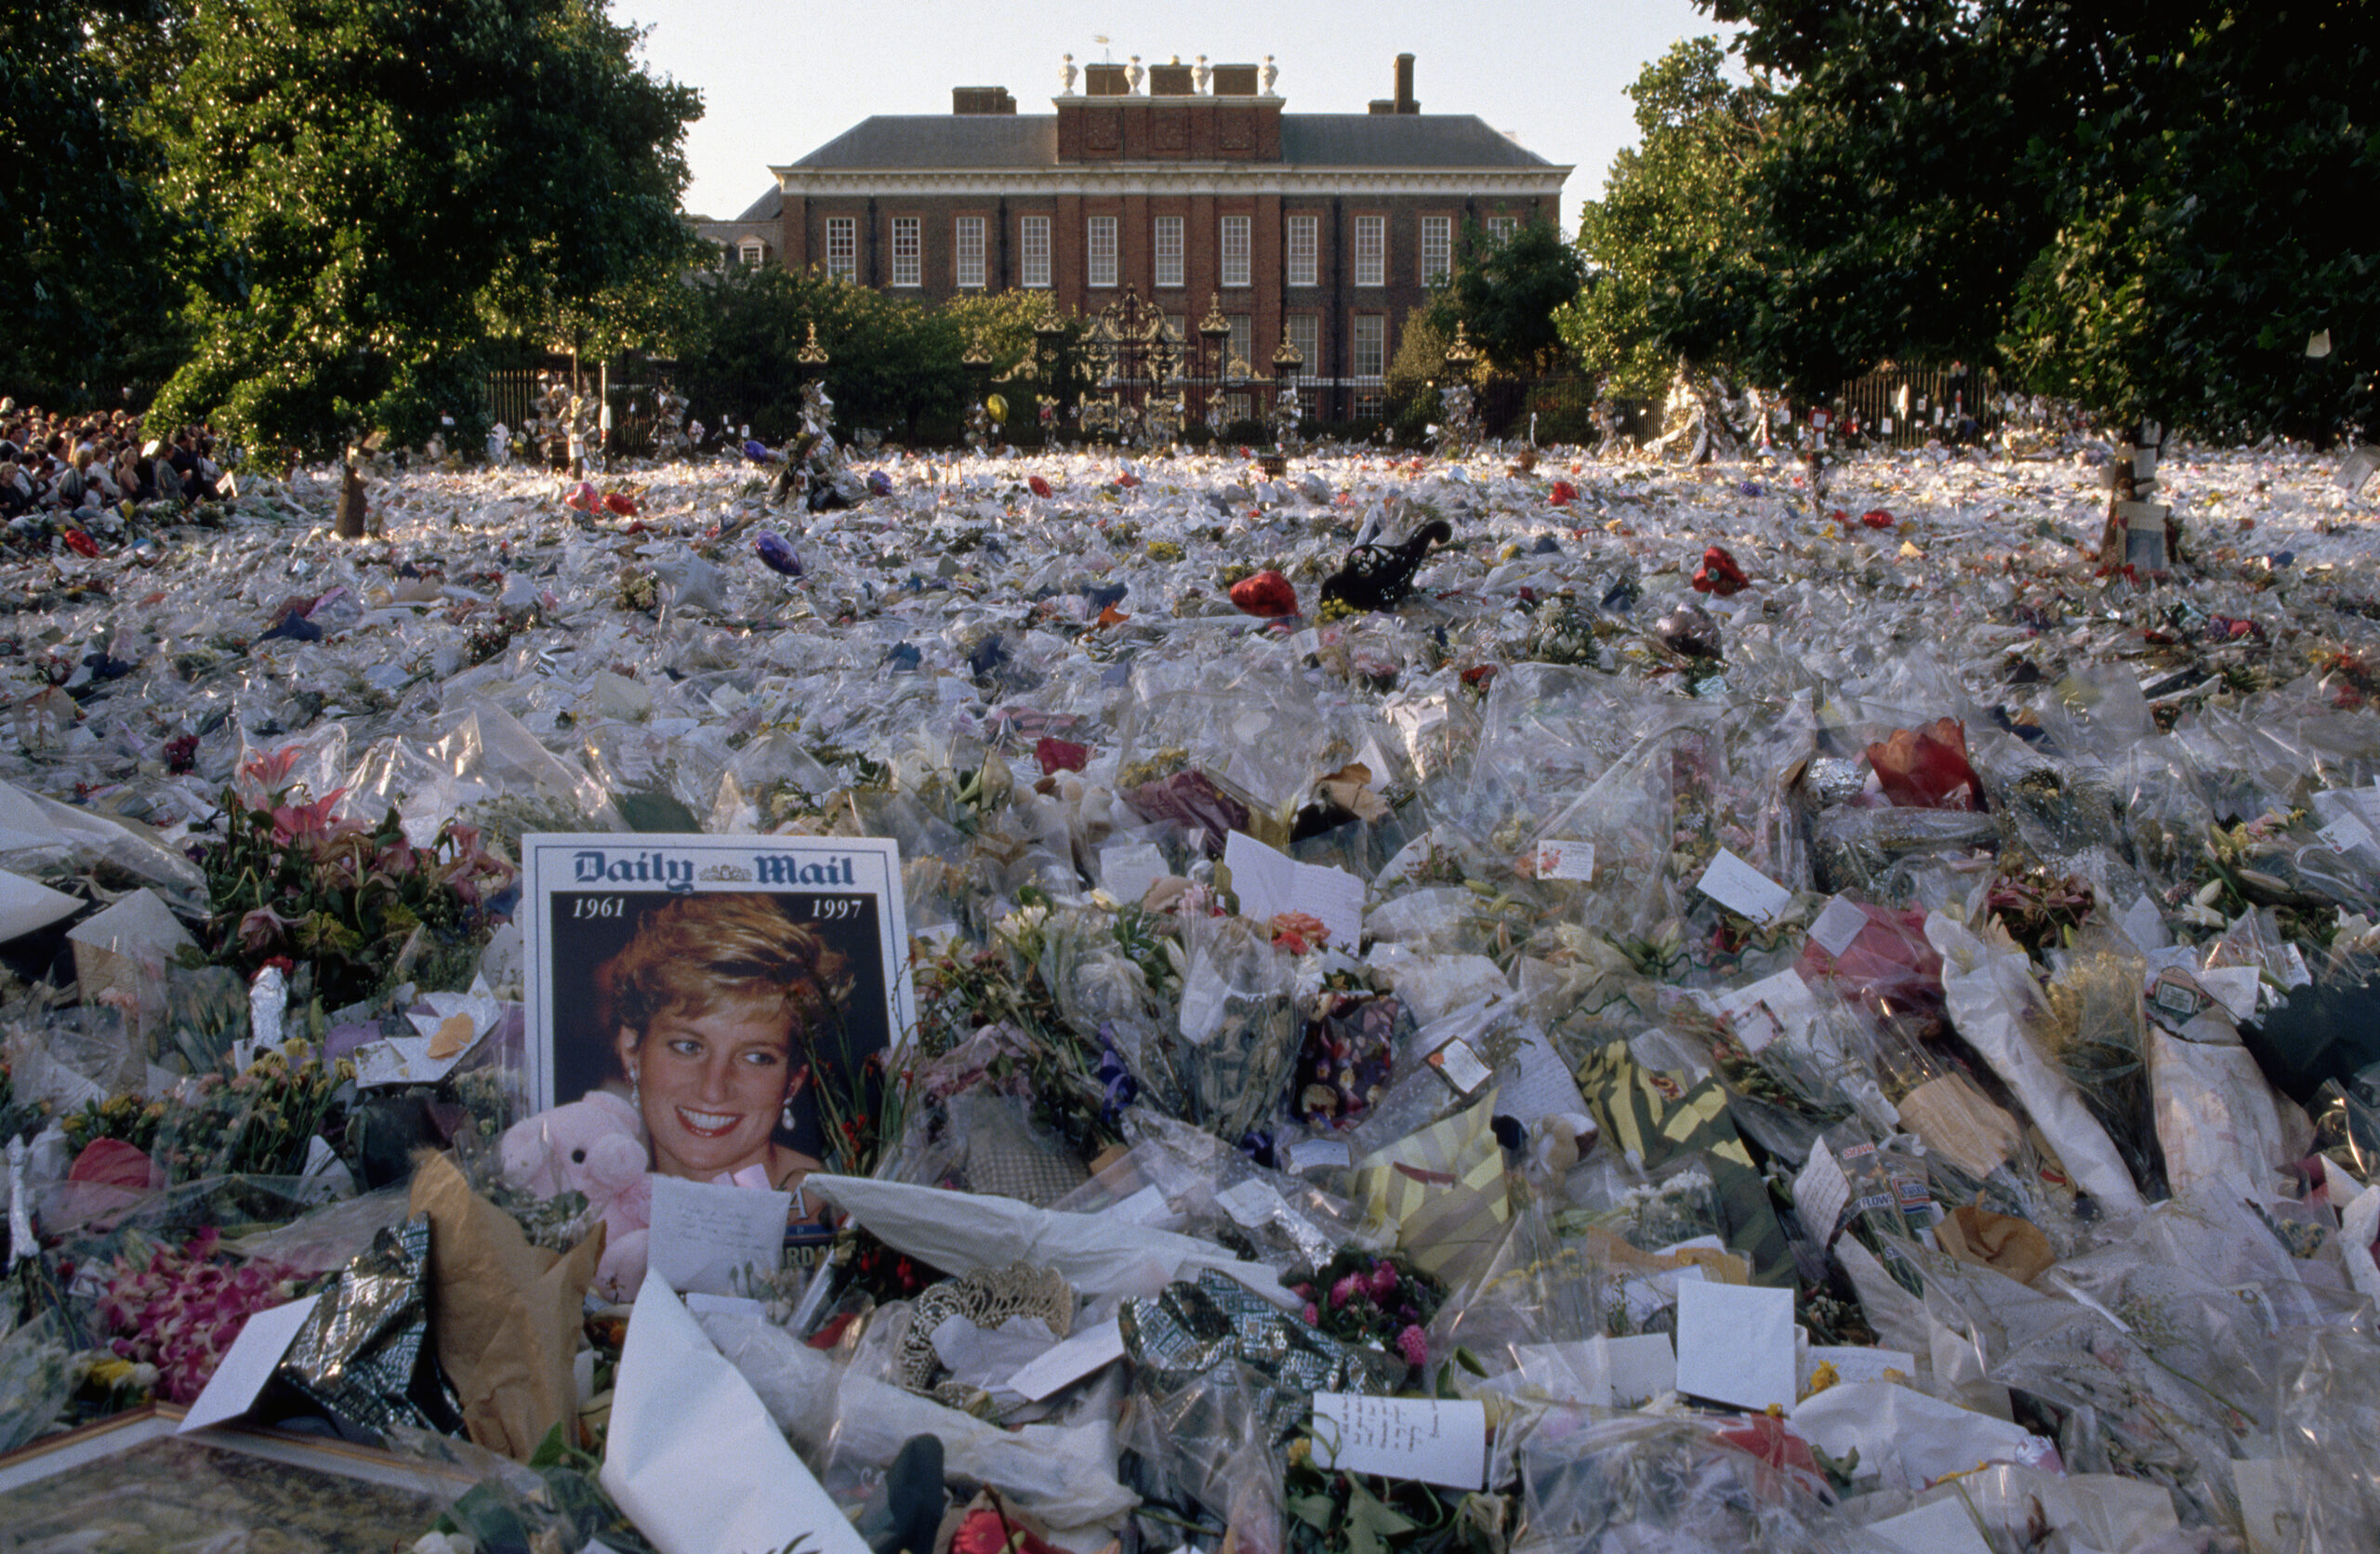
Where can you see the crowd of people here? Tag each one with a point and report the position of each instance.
(58, 463)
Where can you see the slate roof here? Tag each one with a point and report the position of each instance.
(941, 141)
(1027, 141)
(768, 207)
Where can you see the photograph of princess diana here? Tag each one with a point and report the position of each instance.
(732, 1021)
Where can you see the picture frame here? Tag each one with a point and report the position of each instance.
(591, 897)
(136, 1477)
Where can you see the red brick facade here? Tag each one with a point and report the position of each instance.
(886, 205)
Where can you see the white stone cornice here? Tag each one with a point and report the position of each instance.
(1168, 178)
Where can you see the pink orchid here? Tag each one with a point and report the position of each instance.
(306, 822)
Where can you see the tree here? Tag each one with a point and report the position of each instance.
(1504, 296)
(84, 295)
(388, 181)
(1670, 250)
(892, 362)
(2148, 206)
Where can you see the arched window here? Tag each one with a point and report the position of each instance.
(750, 252)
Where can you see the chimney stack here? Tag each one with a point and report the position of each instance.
(1405, 103)
(981, 100)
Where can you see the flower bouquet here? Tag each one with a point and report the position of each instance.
(1378, 1299)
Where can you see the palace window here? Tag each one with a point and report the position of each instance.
(1033, 248)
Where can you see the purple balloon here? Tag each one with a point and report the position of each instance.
(777, 553)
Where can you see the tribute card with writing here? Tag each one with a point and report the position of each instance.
(1437, 1441)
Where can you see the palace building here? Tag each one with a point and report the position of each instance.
(1187, 184)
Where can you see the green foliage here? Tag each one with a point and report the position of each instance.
(892, 362)
(381, 178)
(359, 903)
(1414, 372)
(85, 297)
(1672, 246)
(2147, 207)
(1505, 294)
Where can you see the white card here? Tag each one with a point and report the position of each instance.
(1820, 1191)
(1854, 1364)
(1326, 1154)
(1837, 926)
(1127, 869)
(1600, 1372)
(1144, 1207)
(1558, 860)
(1944, 1527)
(249, 1364)
(1741, 889)
(705, 1235)
(1269, 882)
(1069, 1361)
(1459, 1066)
(1735, 1344)
(1251, 1201)
(1537, 1083)
(2346, 834)
(1437, 1440)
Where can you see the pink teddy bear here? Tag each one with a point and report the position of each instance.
(591, 1146)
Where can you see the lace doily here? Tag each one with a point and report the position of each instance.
(987, 1298)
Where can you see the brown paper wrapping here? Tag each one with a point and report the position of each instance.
(504, 1315)
(2000, 1242)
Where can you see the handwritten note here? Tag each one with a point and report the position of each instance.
(1269, 882)
(703, 1236)
(1821, 1193)
(243, 1371)
(1856, 1362)
(1437, 1441)
(1743, 890)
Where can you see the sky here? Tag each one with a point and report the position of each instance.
(780, 78)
